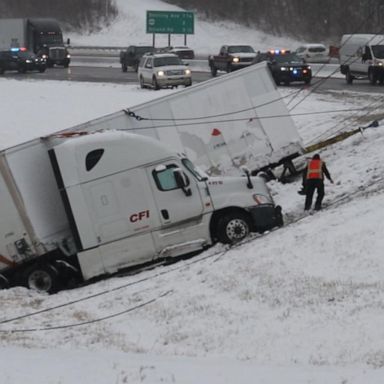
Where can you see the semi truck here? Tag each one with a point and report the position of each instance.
(41, 36)
(158, 180)
(74, 206)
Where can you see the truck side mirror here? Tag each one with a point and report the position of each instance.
(181, 181)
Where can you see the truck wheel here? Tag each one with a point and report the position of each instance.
(41, 70)
(124, 68)
(348, 77)
(232, 228)
(372, 76)
(142, 86)
(42, 278)
(155, 84)
(213, 71)
(136, 67)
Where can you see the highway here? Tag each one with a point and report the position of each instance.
(106, 68)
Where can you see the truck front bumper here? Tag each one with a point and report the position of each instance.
(266, 217)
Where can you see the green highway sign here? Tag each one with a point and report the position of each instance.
(170, 22)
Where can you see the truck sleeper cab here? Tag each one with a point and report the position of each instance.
(130, 200)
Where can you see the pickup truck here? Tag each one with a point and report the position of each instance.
(132, 55)
(231, 57)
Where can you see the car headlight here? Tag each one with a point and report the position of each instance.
(187, 71)
(283, 69)
(28, 61)
(44, 56)
(160, 73)
(235, 59)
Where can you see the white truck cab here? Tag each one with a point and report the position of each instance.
(130, 200)
(362, 57)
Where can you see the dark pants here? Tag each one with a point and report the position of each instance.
(311, 186)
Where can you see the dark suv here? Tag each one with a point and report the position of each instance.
(285, 67)
(132, 55)
(21, 60)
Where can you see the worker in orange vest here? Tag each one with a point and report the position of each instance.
(313, 179)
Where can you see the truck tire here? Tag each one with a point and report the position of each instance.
(155, 84)
(348, 77)
(42, 278)
(233, 227)
(142, 86)
(1, 70)
(124, 68)
(213, 71)
(372, 76)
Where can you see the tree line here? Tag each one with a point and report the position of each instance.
(309, 20)
(80, 15)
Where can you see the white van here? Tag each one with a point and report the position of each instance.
(362, 57)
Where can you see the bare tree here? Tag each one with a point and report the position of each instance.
(74, 14)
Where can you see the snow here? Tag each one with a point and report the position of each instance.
(130, 29)
(302, 304)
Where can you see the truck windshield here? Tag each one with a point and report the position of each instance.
(378, 51)
(199, 174)
(241, 48)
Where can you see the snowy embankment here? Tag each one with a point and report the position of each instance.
(305, 298)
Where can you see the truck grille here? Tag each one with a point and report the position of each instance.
(246, 60)
(175, 72)
(57, 53)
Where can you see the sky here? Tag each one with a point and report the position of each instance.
(301, 305)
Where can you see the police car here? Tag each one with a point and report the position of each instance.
(285, 66)
(21, 60)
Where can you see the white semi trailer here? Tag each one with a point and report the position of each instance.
(238, 119)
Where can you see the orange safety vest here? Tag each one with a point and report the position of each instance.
(315, 170)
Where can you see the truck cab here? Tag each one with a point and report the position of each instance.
(130, 200)
(231, 57)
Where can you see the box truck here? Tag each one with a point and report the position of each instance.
(362, 57)
(41, 36)
(86, 205)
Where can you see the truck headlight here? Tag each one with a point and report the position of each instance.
(261, 199)
(235, 59)
(68, 56)
(187, 71)
(160, 73)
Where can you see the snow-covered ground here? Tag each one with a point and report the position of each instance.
(130, 29)
(300, 305)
